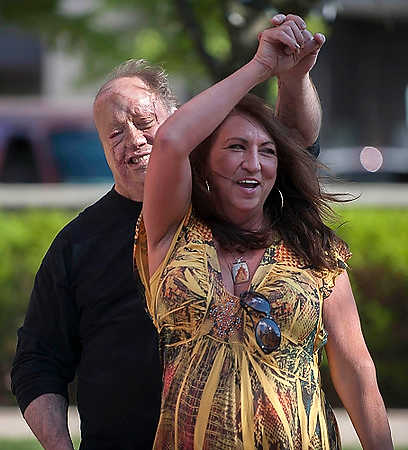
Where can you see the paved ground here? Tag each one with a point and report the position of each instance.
(81, 195)
(12, 425)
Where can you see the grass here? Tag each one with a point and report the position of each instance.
(32, 444)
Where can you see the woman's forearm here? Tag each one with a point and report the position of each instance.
(358, 390)
(203, 113)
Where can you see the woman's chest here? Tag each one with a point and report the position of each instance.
(193, 290)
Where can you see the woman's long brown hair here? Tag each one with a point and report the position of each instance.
(300, 223)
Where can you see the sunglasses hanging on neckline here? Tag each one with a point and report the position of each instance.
(267, 331)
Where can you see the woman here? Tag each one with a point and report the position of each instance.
(248, 284)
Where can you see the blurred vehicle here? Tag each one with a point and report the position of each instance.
(366, 164)
(43, 142)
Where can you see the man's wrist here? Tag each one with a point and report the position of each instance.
(294, 84)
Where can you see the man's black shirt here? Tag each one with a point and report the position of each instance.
(87, 316)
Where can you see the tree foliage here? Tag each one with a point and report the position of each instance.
(198, 38)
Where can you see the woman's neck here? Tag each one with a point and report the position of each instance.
(248, 222)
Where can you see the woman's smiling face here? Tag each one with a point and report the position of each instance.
(242, 169)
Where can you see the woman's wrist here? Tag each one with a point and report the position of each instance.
(262, 68)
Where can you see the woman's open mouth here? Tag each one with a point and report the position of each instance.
(248, 184)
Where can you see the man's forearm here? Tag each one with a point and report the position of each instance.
(47, 417)
(298, 107)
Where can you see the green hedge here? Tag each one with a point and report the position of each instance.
(24, 238)
(378, 239)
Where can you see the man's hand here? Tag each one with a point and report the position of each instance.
(288, 50)
(310, 45)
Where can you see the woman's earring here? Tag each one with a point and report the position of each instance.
(207, 185)
(281, 197)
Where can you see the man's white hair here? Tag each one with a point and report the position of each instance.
(155, 78)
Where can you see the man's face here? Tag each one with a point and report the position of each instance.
(127, 116)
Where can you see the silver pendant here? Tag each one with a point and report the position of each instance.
(240, 271)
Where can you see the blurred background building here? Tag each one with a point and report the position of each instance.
(46, 129)
(363, 82)
(47, 133)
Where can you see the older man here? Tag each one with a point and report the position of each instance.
(86, 314)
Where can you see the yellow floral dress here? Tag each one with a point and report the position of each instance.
(220, 391)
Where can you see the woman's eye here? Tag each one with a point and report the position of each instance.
(237, 147)
(269, 150)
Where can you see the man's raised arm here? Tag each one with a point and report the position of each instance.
(298, 105)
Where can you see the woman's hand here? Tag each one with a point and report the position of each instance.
(288, 49)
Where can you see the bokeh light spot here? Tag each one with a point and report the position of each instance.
(371, 159)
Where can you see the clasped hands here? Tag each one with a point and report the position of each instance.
(288, 49)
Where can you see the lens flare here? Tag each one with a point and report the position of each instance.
(371, 159)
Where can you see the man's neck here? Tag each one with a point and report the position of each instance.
(136, 194)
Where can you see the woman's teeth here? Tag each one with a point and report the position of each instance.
(248, 183)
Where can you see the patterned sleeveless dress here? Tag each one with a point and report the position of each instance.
(220, 391)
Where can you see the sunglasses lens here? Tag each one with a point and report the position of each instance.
(257, 302)
(268, 335)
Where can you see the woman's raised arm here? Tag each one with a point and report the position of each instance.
(167, 190)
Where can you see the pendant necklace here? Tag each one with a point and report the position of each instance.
(240, 271)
